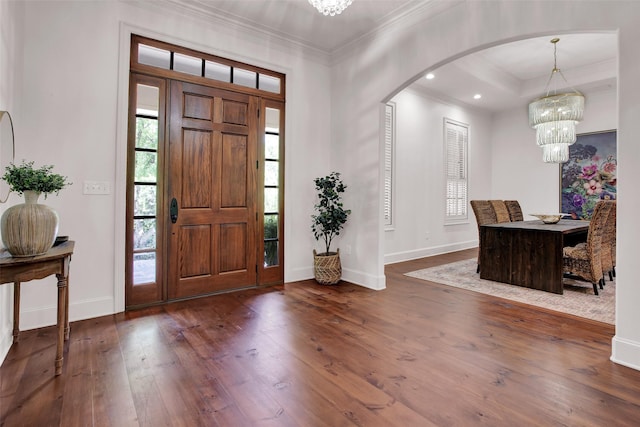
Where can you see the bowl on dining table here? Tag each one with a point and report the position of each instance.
(548, 218)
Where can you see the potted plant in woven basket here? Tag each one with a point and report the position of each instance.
(327, 222)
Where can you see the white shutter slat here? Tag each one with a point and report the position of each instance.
(456, 142)
(389, 142)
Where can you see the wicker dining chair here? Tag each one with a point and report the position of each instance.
(500, 208)
(485, 214)
(609, 243)
(585, 261)
(515, 211)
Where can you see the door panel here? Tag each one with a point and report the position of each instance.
(197, 107)
(233, 238)
(197, 155)
(234, 113)
(234, 171)
(212, 146)
(195, 239)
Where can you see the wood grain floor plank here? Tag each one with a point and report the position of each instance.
(302, 354)
(10, 380)
(102, 377)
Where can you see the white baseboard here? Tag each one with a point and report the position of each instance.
(39, 317)
(353, 276)
(299, 274)
(376, 283)
(427, 252)
(625, 352)
(379, 282)
(6, 340)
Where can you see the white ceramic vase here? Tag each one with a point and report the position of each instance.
(29, 229)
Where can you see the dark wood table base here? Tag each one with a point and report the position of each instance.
(528, 253)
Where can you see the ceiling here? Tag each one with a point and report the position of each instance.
(299, 21)
(506, 76)
(512, 75)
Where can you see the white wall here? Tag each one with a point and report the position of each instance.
(11, 15)
(374, 71)
(515, 154)
(74, 81)
(75, 102)
(504, 140)
(419, 228)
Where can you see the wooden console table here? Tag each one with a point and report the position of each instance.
(23, 269)
(528, 253)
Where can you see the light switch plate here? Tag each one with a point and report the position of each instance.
(97, 187)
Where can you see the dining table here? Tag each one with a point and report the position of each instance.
(528, 253)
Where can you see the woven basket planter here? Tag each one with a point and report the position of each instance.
(327, 268)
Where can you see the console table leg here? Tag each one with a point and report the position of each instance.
(66, 311)
(16, 312)
(62, 296)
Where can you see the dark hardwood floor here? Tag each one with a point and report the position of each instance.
(302, 354)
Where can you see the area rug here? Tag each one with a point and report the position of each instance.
(578, 298)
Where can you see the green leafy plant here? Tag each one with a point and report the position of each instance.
(27, 178)
(331, 215)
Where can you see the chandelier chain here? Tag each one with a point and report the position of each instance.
(555, 70)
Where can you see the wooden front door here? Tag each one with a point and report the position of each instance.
(211, 190)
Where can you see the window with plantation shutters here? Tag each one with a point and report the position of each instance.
(389, 144)
(456, 141)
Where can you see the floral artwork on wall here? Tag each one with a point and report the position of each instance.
(589, 175)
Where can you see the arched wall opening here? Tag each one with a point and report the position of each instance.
(376, 71)
(499, 134)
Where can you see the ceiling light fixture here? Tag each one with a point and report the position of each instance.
(477, 96)
(554, 117)
(330, 7)
(429, 76)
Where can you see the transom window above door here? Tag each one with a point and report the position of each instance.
(152, 53)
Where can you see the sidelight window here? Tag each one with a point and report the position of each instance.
(272, 170)
(145, 186)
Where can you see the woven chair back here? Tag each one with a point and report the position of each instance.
(609, 239)
(500, 208)
(594, 237)
(484, 212)
(515, 211)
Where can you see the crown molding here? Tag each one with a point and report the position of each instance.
(207, 15)
(412, 14)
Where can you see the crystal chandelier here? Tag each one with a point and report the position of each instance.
(554, 117)
(330, 7)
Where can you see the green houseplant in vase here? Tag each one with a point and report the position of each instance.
(29, 228)
(329, 219)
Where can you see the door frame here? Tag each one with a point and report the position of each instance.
(129, 38)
